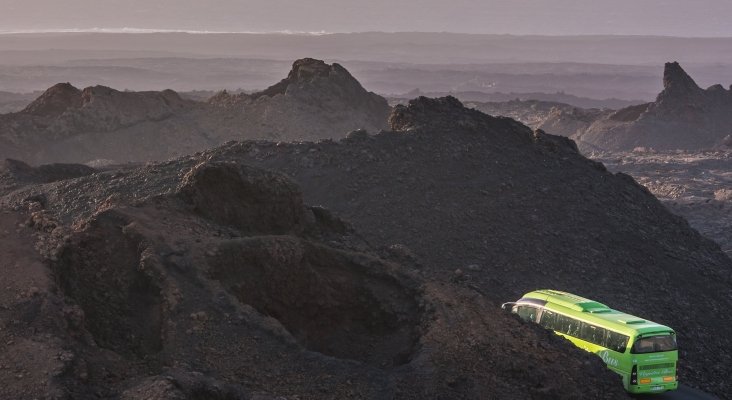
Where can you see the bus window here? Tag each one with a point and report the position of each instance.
(527, 313)
(567, 325)
(655, 344)
(593, 334)
(617, 341)
(549, 320)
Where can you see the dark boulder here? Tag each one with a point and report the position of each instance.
(247, 198)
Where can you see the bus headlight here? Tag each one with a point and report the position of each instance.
(668, 378)
(645, 380)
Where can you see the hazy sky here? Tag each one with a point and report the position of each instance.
(550, 17)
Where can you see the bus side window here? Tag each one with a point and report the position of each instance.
(549, 319)
(567, 325)
(527, 313)
(617, 341)
(593, 334)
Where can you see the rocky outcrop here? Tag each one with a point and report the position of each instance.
(248, 199)
(678, 87)
(65, 124)
(684, 116)
(308, 71)
(435, 115)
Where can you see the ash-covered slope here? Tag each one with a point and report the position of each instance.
(684, 116)
(66, 124)
(515, 210)
(209, 279)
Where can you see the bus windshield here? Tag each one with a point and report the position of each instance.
(655, 344)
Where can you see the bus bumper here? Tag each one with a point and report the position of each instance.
(654, 387)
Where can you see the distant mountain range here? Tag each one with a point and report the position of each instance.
(100, 125)
(596, 67)
(65, 124)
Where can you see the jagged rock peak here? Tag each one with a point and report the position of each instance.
(309, 70)
(55, 100)
(677, 81)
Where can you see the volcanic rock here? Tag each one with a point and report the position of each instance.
(207, 276)
(186, 282)
(694, 185)
(309, 71)
(458, 187)
(244, 197)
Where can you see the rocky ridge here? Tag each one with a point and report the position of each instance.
(66, 124)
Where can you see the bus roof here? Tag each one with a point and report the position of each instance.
(598, 313)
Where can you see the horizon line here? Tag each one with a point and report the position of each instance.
(132, 30)
(155, 30)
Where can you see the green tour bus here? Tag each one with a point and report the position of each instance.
(644, 353)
